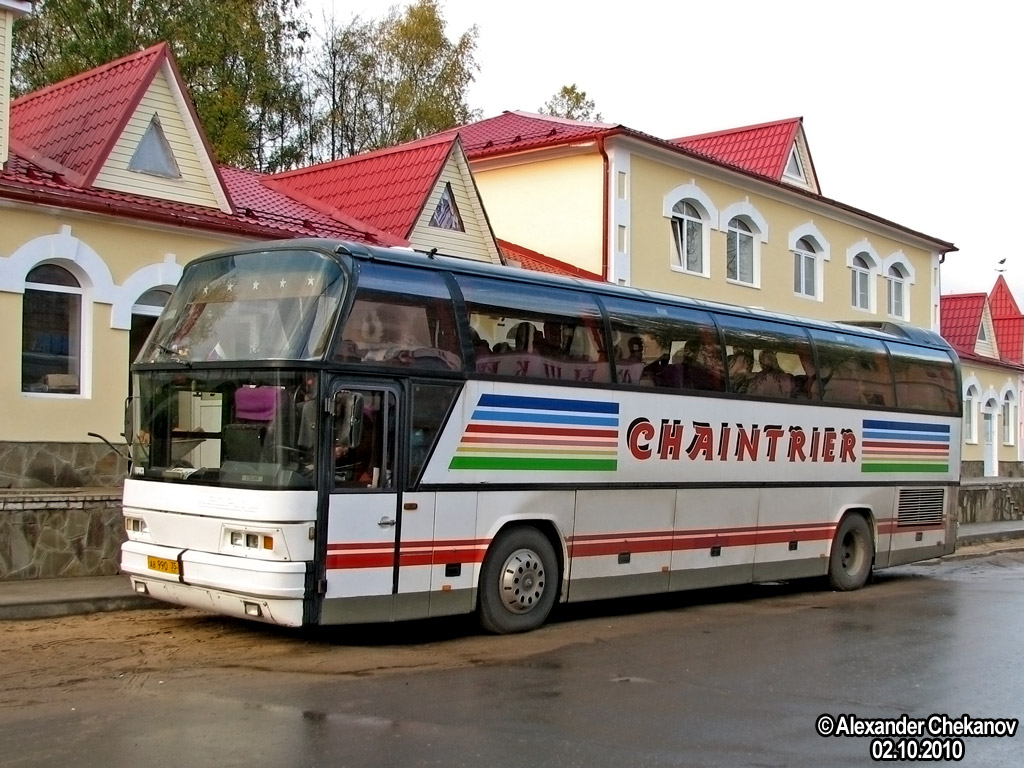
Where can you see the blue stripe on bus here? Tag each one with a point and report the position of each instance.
(910, 436)
(905, 425)
(482, 414)
(547, 404)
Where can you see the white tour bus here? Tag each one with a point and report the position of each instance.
(327, 433)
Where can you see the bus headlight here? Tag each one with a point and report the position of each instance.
(251, 542)
(136, 525)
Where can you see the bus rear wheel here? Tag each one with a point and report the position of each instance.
(518, 582)
(853, 554)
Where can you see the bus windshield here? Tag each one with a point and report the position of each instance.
(250, 306)
(226, 427)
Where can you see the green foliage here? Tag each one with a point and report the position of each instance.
(572, 103)
(393, 80)
(266, 96)
(237, 58)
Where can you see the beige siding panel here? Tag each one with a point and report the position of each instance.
(6, 22)
(193, 187)
(476, 242)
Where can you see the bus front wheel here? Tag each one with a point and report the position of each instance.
(853, 554)
(518, 582)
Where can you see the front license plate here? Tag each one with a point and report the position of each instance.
(162, 565)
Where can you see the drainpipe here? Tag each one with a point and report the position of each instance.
(605, 216)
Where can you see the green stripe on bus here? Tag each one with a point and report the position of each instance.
(534, 464)
(904, 468)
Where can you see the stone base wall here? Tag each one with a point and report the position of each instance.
(60, 465)
(51, 535)
(973, 469)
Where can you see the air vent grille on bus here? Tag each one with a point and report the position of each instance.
(921, 506)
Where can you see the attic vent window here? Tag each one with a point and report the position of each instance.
(794, 168)
(153, 156)
(446, 215)
(982, 336)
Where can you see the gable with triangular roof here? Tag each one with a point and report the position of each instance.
(89, 129)
(399, 190)
(777, 150)
(966, 323)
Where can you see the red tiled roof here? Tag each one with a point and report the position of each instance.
(538, 262)
(73, 124)
(1010, 338)
(387, 188)
(1001, 300)
(261, 212)
(519, 131)
(762, 149)
(961, 317)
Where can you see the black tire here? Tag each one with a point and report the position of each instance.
(519, 582)
(853, 554)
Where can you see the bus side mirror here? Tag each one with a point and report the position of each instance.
(129, 421)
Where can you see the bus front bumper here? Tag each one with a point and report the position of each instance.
(268, 591)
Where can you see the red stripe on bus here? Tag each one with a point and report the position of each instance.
(567, 431)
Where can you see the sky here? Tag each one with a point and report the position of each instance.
(911, 108)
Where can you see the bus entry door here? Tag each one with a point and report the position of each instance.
(362, 510)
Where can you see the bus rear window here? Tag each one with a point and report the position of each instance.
(854, 370)
(925, 379)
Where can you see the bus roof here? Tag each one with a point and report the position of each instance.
(881, 329)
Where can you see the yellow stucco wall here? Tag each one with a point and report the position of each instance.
(83, 243)
(554, 206)
(991, 384)
(652, 251)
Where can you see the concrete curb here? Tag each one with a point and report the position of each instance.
(80, 606)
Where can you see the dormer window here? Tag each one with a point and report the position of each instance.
(982, 336)
(153, 155)
(794, 168)
(446, 215)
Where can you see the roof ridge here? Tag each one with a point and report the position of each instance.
(89, 73)
(426, 141)
(558, 119)
(740, 129)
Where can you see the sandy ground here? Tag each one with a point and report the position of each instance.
(40, 660)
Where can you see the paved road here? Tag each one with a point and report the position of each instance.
(731, 677)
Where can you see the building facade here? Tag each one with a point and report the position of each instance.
(987, 331)
(108, 187)
(735, 216)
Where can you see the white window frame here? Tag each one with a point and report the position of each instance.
(898, 271)
(80, 325)
(820, 252)
(1008, 401)
(758, 226)
(972, 399)
(863, 275)
(708, 214)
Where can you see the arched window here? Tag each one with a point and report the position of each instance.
(1009, 418)
(860, 268)
(740, 255)
(688, 236)
(51, 341)
(971, 414)
(896, 287)
(805, 264)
